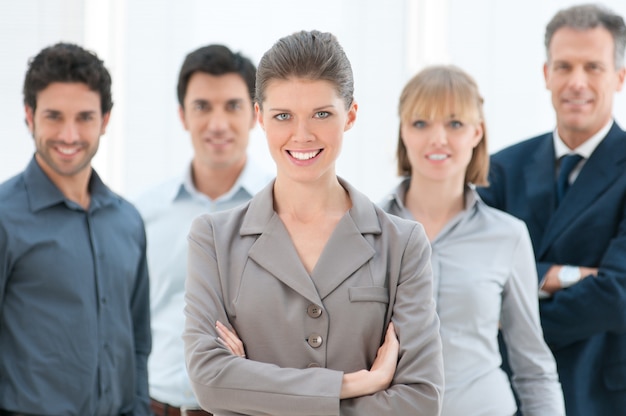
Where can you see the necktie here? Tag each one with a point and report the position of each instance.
(568, 163)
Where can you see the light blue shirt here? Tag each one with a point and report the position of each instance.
(74, 305)
(484, 277)
(168, 211)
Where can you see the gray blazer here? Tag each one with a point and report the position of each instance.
(301, 331)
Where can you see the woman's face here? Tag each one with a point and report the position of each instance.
(440, 149)
(304, 121)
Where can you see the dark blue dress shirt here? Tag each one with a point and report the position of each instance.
(74, 301)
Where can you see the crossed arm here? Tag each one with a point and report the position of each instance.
(551, 282)
(359, 383)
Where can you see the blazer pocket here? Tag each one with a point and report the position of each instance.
(615, 376)
(368, 294)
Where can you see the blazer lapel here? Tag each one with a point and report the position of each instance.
(273, 249)
(539, 181)
(345, 252)
(347, 249)
(275, 252)
(602, 168)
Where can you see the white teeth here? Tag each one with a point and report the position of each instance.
(304, 155)
(437, 156)
(67, 151)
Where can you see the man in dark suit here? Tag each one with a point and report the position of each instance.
(569, 186)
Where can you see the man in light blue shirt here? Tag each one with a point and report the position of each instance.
(74, 296)
(215, 94)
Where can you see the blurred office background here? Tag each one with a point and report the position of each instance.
(143, 43)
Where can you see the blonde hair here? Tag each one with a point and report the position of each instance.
(433, 93)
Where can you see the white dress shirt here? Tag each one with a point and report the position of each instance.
(585, 149)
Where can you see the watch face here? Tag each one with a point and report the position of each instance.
(568, 275)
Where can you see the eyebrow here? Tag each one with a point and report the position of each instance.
(324, 107)
(228, 101)
(569, 62)
(57, 112)
(200, 101)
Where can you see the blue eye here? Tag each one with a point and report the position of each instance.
(322, 114)
(455, 124)
(282, 116)
(419, 124)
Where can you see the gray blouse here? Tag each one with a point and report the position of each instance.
(485, 278)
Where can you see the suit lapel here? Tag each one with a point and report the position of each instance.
(346, 251)
(602, 168)
(273, 249)
(539, 180)
(275, 252)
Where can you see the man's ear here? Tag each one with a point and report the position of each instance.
(621, 74)
(545, 73)
(105, 122)
(181, 115)
(253, 121)
(29, 118)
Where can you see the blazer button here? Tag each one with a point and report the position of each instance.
(314, 311)
(315, 340)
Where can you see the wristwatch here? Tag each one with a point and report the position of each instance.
(568, 275)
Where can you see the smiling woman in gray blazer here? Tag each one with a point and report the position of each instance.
(331, 296)
(482, 258)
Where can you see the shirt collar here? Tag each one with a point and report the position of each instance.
(398, 196)
(248, 181)
(43, 193)
(586, 148)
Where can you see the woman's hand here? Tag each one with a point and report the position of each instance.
(230, 339)
(360, 383)
(386, 361)
(381, 374)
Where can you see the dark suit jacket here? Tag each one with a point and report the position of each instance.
(585, 324)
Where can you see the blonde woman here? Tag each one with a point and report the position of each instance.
(482, 259)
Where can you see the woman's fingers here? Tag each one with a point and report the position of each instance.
(387, 357)
(230, 339)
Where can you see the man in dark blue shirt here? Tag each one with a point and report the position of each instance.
(74, 296)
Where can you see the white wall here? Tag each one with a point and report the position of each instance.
(25, 27)
(143, 43)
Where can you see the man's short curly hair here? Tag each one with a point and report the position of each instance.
(66, 62)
